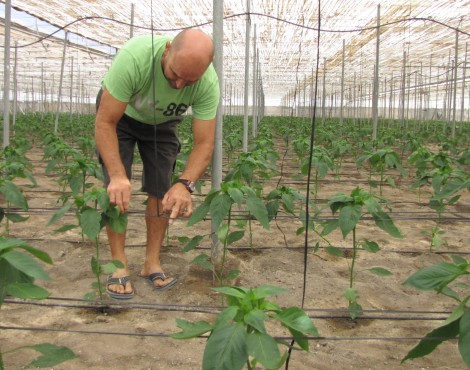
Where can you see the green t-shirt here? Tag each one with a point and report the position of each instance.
(129, 79)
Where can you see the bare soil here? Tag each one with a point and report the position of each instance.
(134, 334)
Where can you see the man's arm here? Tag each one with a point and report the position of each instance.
(178, 200)
(109, 113)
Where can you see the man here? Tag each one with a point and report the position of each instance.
(150, 84)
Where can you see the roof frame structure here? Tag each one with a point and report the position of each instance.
(286, 38)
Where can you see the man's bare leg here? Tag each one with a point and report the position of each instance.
(117, 243)
(156, 229)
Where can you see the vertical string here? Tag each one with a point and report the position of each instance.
(153, 105)
(307, 204)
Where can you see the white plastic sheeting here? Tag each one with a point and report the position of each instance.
(286, 36)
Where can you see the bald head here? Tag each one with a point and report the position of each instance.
(196, 42)
(187, 57)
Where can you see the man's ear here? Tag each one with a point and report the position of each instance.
(167, 48)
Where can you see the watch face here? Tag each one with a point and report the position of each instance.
(191, 186)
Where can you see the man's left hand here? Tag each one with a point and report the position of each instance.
(178, 202)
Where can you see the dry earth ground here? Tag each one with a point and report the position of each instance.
(135, 336)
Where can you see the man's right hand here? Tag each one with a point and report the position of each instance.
(119, 192)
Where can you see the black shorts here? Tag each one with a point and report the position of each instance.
(158, 147)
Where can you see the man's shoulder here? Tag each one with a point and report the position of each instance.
(145, 41)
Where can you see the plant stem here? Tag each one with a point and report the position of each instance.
(100, 288)
(250, 231)
(224, 256)
(7, 223)
(351, 273)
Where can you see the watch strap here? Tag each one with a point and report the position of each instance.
(188, 183)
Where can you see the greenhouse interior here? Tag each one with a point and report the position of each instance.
(324, 221)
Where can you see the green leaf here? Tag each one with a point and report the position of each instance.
(90, 223)
(464, 337)
(273, 208)
(118, 223)
(25, 264)
(384, 221)
(300, 339)
(27, 291)
(17, 243)
(256, 207)
(199, 213)
(193, 243)
(226, 348)
(329, 227)
(65, 228)
(458, 259)
(232, 274)
(235, 236)
(191, 330)
(219, 208)
(13, 194)
(296, 319)
(91, 296)
(237, 292)
(370, 246)
(339, 200)
(236, 195)
(103, 201)
(222, 231)
(354, 309)
(15, 217)
(429, 343)
(380, 271)
(334, 251)
(51, 355)
(435, 277)
(203, 260)
(226, 316)
(264, 349)
(288, 202)
(351, 294)
(265, 291)
(109, 268)
(60, 213)
(76, 184)
(256, 318)
(349, 217)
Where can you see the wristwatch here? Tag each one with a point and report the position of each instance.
(190, 185)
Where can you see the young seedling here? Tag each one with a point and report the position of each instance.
(443, 178)
(94, 211)
(239, 336)
(219, 204)
(351, 209)
(379, 161)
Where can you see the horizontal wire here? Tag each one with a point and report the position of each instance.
(359, 29)
(368, 314)
(244, 215)
(164, 335)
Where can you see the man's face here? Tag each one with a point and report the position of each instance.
(178, 71)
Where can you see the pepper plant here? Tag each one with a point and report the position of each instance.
(219, 204)
(448, 279)
(14, 165)
(351, 209)
(239, 336)
(439, 170)
(94, 211)
(379, 161)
